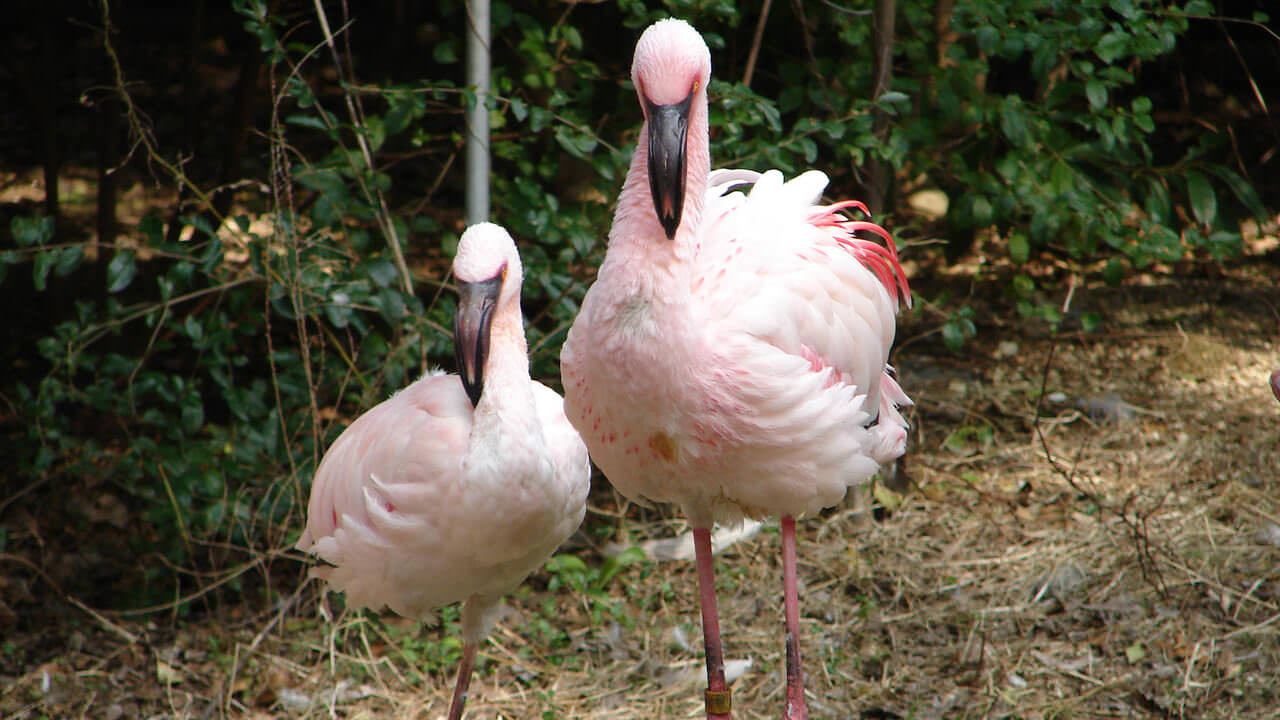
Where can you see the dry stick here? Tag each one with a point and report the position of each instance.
(384, 212)
(755, 44)
(137, 128)
(1137, 527)
(257, 640)
(107, 624)
(280, 178)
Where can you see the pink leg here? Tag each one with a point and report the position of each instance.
(463, 681)
(718, 698)
(795, 708)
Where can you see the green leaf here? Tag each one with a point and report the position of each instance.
(382, 271)
(1112, 46)
(1204, 202)
(68, 259)
(1135, 653)
(445, 53)
(1243, 191)
(1061, 179)
(1157, 202)
(982, 211)
(987, 36)
(192, 413)
(810, 149)
(571, 36)
(1013, 122)
(519, 109)
(28, 231)
(40, 268)
(1019, 248)
(121, 271)
(375, 132)
(892, 96)
(1096, 91)
(1113, 271)
(310, 121)
(1023, 286)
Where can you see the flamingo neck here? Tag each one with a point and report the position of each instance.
(506, 416)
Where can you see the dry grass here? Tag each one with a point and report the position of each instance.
(1134, 575)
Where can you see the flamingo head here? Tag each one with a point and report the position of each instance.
(488, 273)
(670, 71)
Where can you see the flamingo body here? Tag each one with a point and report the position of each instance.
(750, 395)
(426, 500)
(392, 505)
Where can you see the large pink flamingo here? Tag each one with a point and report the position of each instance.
(730, 356)
(455, 488)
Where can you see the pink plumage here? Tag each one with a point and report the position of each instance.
(731, 355)
(425, 501)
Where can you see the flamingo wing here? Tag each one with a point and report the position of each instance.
(569, 453)
(398, 522)
(801, 311)
(790, 273)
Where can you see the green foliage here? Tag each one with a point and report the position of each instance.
(203, 377)
(569, 572)
(1068, 154)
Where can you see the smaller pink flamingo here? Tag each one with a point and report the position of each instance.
(455, 488)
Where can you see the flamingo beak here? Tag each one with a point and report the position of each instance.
(668, 127)
(471, 325)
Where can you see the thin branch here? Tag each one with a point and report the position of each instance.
(755, 44)
(1136, 525)
(384, 212)
(138, 128)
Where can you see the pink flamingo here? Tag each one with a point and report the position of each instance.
(731, 355)
(455, 488)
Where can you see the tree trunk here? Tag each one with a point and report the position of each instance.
(878, 172)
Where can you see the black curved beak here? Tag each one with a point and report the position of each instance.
(471, 325)
(668, 128)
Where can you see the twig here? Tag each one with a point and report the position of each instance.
(107, 624)
(845, 10)
(755, 43)
(384, 212)
(137, 127)
(285, 607)
(104, 622)
(1137, 525)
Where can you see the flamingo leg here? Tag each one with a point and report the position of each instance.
(719, 701)
(796, 709)
(463, 681)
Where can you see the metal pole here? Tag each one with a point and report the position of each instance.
(478, 115)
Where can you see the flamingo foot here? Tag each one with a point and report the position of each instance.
(795, 709)
(463, 681)
(719, 699)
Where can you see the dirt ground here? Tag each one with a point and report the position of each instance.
(1092, 530)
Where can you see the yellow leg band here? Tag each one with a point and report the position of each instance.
(719, 702)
